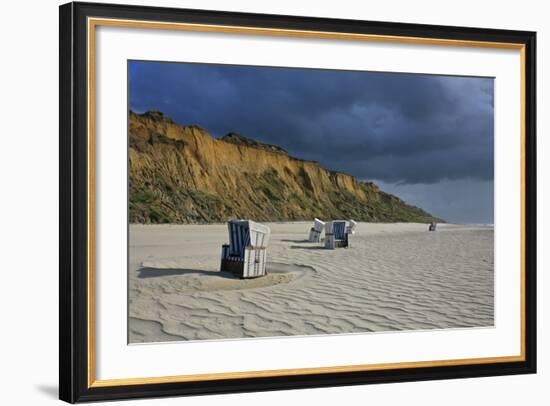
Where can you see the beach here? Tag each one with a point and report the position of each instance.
(395, 276)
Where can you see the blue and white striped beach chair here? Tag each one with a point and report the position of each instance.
(316, 230)
(337, 234)
(245, 255)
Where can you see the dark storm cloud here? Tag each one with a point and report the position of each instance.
(398, 128)
(457, 201)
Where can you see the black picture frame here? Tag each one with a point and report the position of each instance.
(74, 383)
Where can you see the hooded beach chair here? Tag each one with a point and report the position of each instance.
(351, 227)
(337, 234)
(316, 230)
(245, 255)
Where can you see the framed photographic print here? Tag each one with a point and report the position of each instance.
(257, 202)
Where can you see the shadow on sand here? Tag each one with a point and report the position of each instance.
(307, 247)
(297, 241)
(149, 272)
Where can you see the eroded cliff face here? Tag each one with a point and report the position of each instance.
(181, 174)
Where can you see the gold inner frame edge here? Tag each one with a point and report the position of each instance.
(94, 22)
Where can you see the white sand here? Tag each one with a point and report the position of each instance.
(394, 277)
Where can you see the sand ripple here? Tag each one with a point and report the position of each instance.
(395, 277)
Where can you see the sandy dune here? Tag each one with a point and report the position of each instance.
(394, 277)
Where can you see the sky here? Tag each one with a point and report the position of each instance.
(425, 138)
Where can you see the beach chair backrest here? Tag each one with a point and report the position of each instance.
(239, 237)
(243, 233)
(318, 225)
(259, 234)
(339, 230)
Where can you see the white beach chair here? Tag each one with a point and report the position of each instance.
(316, 230)
(337, 234)
(432, 227)
(351, 227)
(245, 255)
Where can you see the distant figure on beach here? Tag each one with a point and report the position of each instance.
(432, 226)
